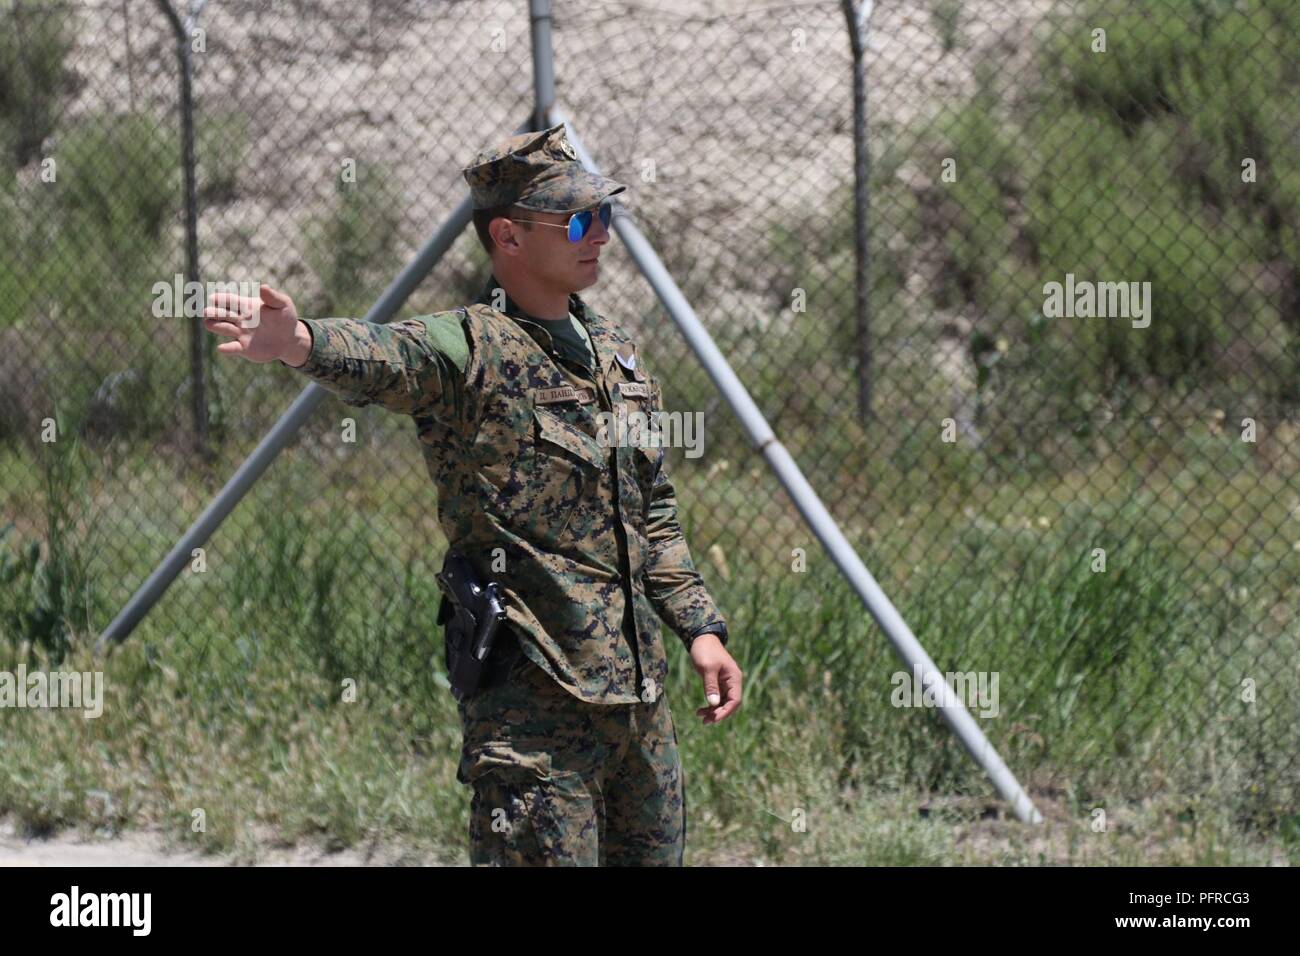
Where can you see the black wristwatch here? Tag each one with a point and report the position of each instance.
(716, 627)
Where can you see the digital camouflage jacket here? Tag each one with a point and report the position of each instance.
(576, 530)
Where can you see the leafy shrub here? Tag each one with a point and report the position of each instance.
(352, 247)
(47, 593)
(35, 40)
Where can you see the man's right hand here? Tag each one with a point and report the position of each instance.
(260, 330)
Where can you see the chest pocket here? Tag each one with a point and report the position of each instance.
(561, 482)
(554, 432)
(643, 400)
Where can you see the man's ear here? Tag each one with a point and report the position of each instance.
(502, 231)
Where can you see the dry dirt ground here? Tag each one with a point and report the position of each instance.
(147, 849)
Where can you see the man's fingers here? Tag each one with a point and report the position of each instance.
(711, 693)
(728, 679)
(239, 304)
(730, 701)
(273, 299)
(231, 348)
(711, 715)
(221, 328)
(725, 711)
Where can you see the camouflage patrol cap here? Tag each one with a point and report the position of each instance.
(538, 171)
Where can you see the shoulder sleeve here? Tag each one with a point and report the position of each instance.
(414, 365)
(447, 335)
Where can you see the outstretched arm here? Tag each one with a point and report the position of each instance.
(402, 366)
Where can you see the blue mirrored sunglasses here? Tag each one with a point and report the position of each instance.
(578, 223)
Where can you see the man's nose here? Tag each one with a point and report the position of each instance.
(598, 232)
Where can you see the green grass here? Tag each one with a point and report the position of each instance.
(48, 593)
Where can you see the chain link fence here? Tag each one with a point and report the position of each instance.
(1082, 342)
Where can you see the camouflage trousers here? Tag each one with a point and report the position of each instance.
(561, 782)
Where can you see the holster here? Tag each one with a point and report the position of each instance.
(472, 614)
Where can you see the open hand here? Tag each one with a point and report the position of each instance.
(260, 330)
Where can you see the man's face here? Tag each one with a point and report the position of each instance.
(546, 253)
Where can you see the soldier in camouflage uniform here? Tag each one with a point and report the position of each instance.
(570, 747)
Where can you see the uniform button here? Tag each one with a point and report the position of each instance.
(618, 579)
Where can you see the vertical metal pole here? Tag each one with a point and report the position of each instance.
(539, 15)
(198, 371)
(198, 344)
(858, 26)
(130, 54)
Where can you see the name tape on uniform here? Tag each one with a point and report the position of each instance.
(564, 393)
(634, 389)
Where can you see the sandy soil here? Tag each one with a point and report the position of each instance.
(149, 849)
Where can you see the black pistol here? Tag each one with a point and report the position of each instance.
(472, 613)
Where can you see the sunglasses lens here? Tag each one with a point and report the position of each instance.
(579, 222)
